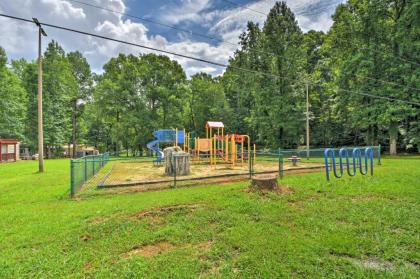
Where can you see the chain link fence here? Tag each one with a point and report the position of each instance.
(104, 174)
(82, 169)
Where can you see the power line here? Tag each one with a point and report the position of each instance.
(381, 97)
(184, 56)
(394, 56)
(244, 6)
(319, 9)
(168, 26)
(141, 46)
(154, 22)
(380, 80)
(389, 82)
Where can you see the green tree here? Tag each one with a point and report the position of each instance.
(12, 101)
(83, 76)
(59, 87)
(205, 101)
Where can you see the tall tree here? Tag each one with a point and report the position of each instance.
(83, 76)
(59, 87)
(12, 101)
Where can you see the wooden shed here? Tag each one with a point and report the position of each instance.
(9, 149)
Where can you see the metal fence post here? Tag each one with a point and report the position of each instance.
(71, 178)
(379, 155)
(173, 158)
(93, 165)
(280, 164)
(85, 168)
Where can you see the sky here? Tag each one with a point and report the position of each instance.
(219, 23)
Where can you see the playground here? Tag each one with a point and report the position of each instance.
(179, 158)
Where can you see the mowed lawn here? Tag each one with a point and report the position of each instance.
(351, 227)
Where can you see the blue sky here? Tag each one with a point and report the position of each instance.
(213, 18)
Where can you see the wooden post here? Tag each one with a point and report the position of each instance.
(14, 155)
(40, 125)
(307, 121)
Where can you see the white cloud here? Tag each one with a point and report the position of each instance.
(63, 9)
(20, 39)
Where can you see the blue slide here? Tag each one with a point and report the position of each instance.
(165, 136)
(153, 145)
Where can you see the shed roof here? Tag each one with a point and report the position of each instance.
(214, 124)
(8, 141)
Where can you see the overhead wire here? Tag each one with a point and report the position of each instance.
(381, 97)
(182, 55)
(166, 25)
(139, 45)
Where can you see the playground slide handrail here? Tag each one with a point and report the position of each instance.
(357, 161)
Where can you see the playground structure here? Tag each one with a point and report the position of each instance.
(216, 148)
(357, 161)
(169, 136)
(140, 174)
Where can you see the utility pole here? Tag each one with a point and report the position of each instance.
(307, 120)
(41, 33)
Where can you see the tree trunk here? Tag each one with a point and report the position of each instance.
(176, 161)
(393, 134)
(392, 146)
(264, 182)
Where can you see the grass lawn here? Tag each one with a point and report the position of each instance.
(352, 227)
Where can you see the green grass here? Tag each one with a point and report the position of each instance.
(352, 227)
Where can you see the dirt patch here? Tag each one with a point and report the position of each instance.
(88, 265)
(279, 191)
(367, 263)
(205, 245)
(85, 237)
(98, 220)
(156, 213)
(363, 198)
(372, 263)
(150, 250)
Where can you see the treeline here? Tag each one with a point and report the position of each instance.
(372, 49)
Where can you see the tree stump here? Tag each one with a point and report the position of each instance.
(176, 161)
(264, 182)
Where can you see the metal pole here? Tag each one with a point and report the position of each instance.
(307, 121)
(173, 158)
(40, 125)
(72, 191)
